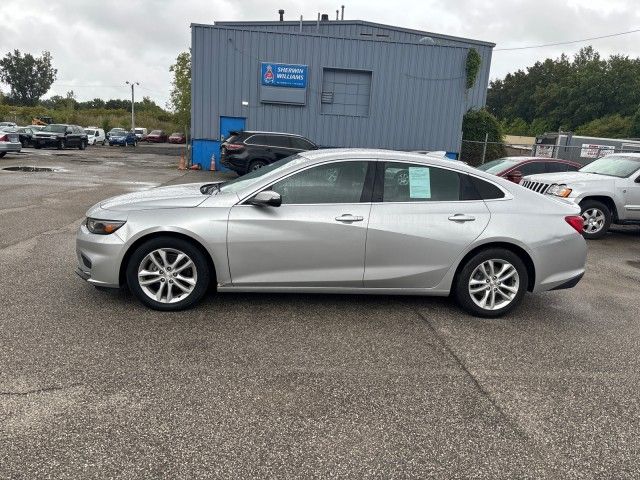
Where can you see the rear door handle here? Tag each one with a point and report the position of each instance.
(461, 217)
(348, 218)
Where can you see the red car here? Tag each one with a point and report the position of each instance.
(514, 168)
(177, 137)
(156, 136)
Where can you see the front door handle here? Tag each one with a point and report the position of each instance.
(348, 218)
(461, 217)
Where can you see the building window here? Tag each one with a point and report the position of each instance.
(345, 92)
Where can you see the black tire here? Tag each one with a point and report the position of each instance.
(82, 145)
(593, 206)
(256, 164)
(104, 142)
(463, 278)
(23, 144)
(2, 154)
(61, 145)
(37, 146)
(195, 254)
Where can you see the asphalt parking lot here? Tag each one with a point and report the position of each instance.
(93, 385)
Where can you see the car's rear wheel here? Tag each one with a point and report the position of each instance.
(2, 154)
(491, 283)
(168, 274)
(256, 164)
(597, 219)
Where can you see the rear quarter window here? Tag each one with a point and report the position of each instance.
(482, 189)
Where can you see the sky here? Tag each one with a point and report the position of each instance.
(97, 46)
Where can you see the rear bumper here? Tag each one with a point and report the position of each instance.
(10, 147)
(570, 283)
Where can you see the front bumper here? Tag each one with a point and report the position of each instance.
(10, 147)
(99, 257)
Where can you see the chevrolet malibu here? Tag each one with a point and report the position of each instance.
(337, 221)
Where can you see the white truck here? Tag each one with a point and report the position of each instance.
(607, 191)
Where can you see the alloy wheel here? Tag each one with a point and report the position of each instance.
(494, 284)
(594, 220)
(167, 275)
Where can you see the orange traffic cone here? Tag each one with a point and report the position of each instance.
(183, 163)
(212, 166)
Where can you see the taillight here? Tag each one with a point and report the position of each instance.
(233, 147)
(577, 222)
(4, 138)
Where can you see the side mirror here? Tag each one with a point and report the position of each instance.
(515, 176)
(266, 198)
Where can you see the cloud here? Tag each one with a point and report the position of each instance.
(97, 46)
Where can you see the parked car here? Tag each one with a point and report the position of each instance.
(95, 135)
(337, 221)
(36, 128)
(123, 138)
(514, 168)
(8, 124)
(177, 137)
(9, 140)
(141, 133)
(245, 151)
(607, 191)
(115, 130)
(26, 135)
(61, 136)
(156, 136)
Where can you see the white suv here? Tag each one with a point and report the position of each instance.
(607, 191)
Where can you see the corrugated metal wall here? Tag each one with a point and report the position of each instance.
(417, 92)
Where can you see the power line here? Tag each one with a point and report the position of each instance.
(567, 42)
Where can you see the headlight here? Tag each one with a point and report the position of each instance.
(559, 190)
(103, 227)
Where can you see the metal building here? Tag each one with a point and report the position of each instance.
(340, 83)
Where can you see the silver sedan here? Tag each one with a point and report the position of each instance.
(337, 221)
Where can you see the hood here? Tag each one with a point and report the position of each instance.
(568, 178)
(175, 196)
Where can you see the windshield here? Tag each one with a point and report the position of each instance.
(272, 170)
(138, 130)
(498, 165)
(55, 128)
(613, 166)
(176, 134)
(90, 132)
(156, 132)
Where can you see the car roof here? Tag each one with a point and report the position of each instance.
(260, 132)
(318, 156)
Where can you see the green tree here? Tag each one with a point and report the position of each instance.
(475, 125)
(180, 98)
(28, 77)
(610, 126)
(634, 127)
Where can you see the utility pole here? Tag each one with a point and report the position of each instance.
(133, 102)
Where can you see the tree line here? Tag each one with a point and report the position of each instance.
(586, 94)
(30, 77)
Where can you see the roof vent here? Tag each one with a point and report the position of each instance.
(324, 17)
(281, 12)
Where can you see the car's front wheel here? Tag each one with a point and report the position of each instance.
(168, 274)
(597, 219)
(491, 283)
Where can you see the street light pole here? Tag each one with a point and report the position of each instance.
(133, 102)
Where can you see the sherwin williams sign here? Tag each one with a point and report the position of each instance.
(283, 75)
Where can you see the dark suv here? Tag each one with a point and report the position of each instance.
(61, 136)
(245, 151)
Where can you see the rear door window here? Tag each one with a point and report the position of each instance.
(406, 182)
(301, 144)
(531, 168)
(280, 141)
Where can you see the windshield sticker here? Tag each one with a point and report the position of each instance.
(419, 182)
